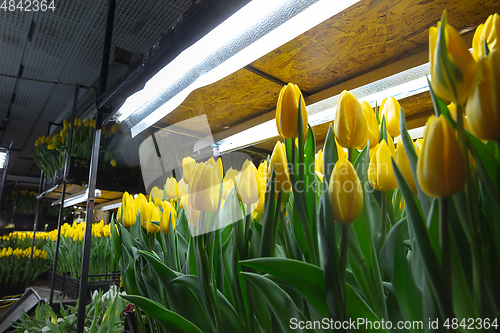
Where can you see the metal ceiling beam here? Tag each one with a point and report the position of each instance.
(197, 22)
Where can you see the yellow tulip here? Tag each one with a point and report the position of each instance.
(183, 193)
(146, 212)
(38, 141)
(171, 188)
(192, 214)
(63, 133)
(262, 177)
(452, 84)
(106, 230)
(129, 216)
(320, 175)
(139, 201)
(371, 121)
(260, 204)
(167, 215)
(391, 110)
(153, 226)
(278, 161)
(52, 146)
(483, 106)
(57, 138)
(441, 168)
(65, 124)
(287, 111)
(404, 165)
(319, 162)
(247, 184)
(380, 172)
(156, 195)
(217, 167)
(351, 129)
(205, 188)
(489, 30)
(113, 163)
(188, 165)
(229, 182)
(43, 139)
(345, 192)
(419, 143)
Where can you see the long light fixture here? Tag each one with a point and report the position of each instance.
(403, 84)
(3, 159)
(255, 30)
(76, 198)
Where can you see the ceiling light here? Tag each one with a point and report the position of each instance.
(76, 198)
(3, 159)
(255, 30)
(401, 85)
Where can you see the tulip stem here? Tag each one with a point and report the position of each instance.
(343, 254)
(444, 242)
(383, 210)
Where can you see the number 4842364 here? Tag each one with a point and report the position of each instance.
(28, 5)
(471, 323)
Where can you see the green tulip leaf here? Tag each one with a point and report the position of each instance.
(357, 309)
(394, 262)
(330, 154)
(171, 321)
(279, 301)
(304, 278)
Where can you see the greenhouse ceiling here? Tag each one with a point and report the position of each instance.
(367, 42)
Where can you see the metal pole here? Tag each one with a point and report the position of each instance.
(89, 217)
(4, 175)
(34, 229)
(63, 193)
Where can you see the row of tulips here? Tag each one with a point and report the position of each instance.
(23, 239)
(14, 267)
(51, 151)
(102, 260)
(417, 232)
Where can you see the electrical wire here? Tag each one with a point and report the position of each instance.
(9, 300)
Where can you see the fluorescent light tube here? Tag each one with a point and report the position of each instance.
(404, 84)
(255, 30)
(76, 198)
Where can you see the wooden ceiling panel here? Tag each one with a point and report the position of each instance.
(238, 97)
(368, 35)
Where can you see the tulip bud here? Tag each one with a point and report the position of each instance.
(188, 164)
(441, 168)
(171, 188)
(153, 226)
(217, 167)
(278, 160)
(380, 172)
(183, 193)
(345, 192)
(43, 139)
(350, 123)
(489, 31)
(205, 188)
(229, 182)
(319, 162)
(404, 166)
(483, 105)
(167, 215)
(371, 121)
(287, 111)
(52, 146)
(146, 209)
(156, 195)
(247, 184)
(391, 110)
(452, 69)
(38, 141)
(65, 124)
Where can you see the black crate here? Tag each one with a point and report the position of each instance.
(108, 177)
(71, 286)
